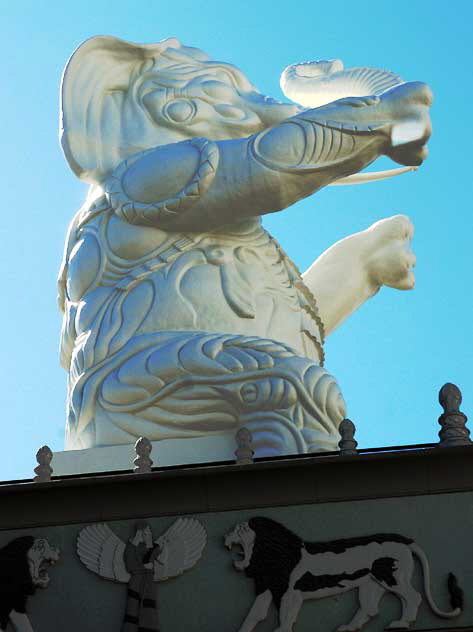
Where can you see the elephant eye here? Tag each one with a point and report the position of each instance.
(180, 110)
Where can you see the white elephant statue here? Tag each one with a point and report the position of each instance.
(183, 317)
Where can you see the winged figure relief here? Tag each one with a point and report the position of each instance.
(141, 562)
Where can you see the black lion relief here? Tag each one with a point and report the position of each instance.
(287, 571)
(23, 569)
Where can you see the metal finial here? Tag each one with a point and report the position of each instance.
(454, 431)
(347, 443)
(143, 462)
(43, 470)
(244, 452)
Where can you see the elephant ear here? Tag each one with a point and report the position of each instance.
(97, 104)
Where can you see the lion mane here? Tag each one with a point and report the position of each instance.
(276, 551)
(16, 584)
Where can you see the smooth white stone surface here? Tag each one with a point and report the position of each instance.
(164, 453)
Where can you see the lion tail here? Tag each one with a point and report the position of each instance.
(456, 593)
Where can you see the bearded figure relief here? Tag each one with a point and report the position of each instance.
(183, 317)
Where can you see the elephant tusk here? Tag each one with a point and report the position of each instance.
(371, 176)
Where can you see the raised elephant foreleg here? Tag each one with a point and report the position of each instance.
(355, 268)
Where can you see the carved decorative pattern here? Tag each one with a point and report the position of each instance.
(150, 214)
(287, 402)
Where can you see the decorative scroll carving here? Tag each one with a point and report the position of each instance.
(222, 381)
(150, 214)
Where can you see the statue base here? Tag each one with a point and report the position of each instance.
(165, 453)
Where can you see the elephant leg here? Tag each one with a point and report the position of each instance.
(355, 268)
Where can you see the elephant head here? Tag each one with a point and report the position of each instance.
(118, 98)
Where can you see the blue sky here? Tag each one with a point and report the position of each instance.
(393, 355)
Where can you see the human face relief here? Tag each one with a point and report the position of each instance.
(219, 103)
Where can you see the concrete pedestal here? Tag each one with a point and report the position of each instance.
(165, 453)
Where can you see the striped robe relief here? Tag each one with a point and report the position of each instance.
(141, 611)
